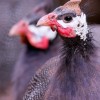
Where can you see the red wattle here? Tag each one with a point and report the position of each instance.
(66, 32)
(44, 44)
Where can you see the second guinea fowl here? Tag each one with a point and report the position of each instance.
(38, 48)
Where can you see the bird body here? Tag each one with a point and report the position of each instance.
(28, 63)
(78, 81)
(74, 73)
(36, 50)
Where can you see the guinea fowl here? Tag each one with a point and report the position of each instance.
(11, 11)
(38, 48)
(74, 74)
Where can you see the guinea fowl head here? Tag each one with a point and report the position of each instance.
(68, 20)
(19, 29)
(31, 35)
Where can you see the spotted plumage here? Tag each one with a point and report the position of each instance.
(40, 81)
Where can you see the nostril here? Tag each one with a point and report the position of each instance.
(23, 24)
(52, 16)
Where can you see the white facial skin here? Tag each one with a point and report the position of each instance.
(79, 25)
(40, 32)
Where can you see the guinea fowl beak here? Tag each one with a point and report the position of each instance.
(17, 28)
(46, 20)
(13, 30)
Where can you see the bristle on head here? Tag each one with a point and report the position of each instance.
(73, 5)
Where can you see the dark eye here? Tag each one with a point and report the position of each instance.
(67, 19)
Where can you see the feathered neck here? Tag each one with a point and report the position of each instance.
(75, 69)
(76, 47)
(76, 52)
